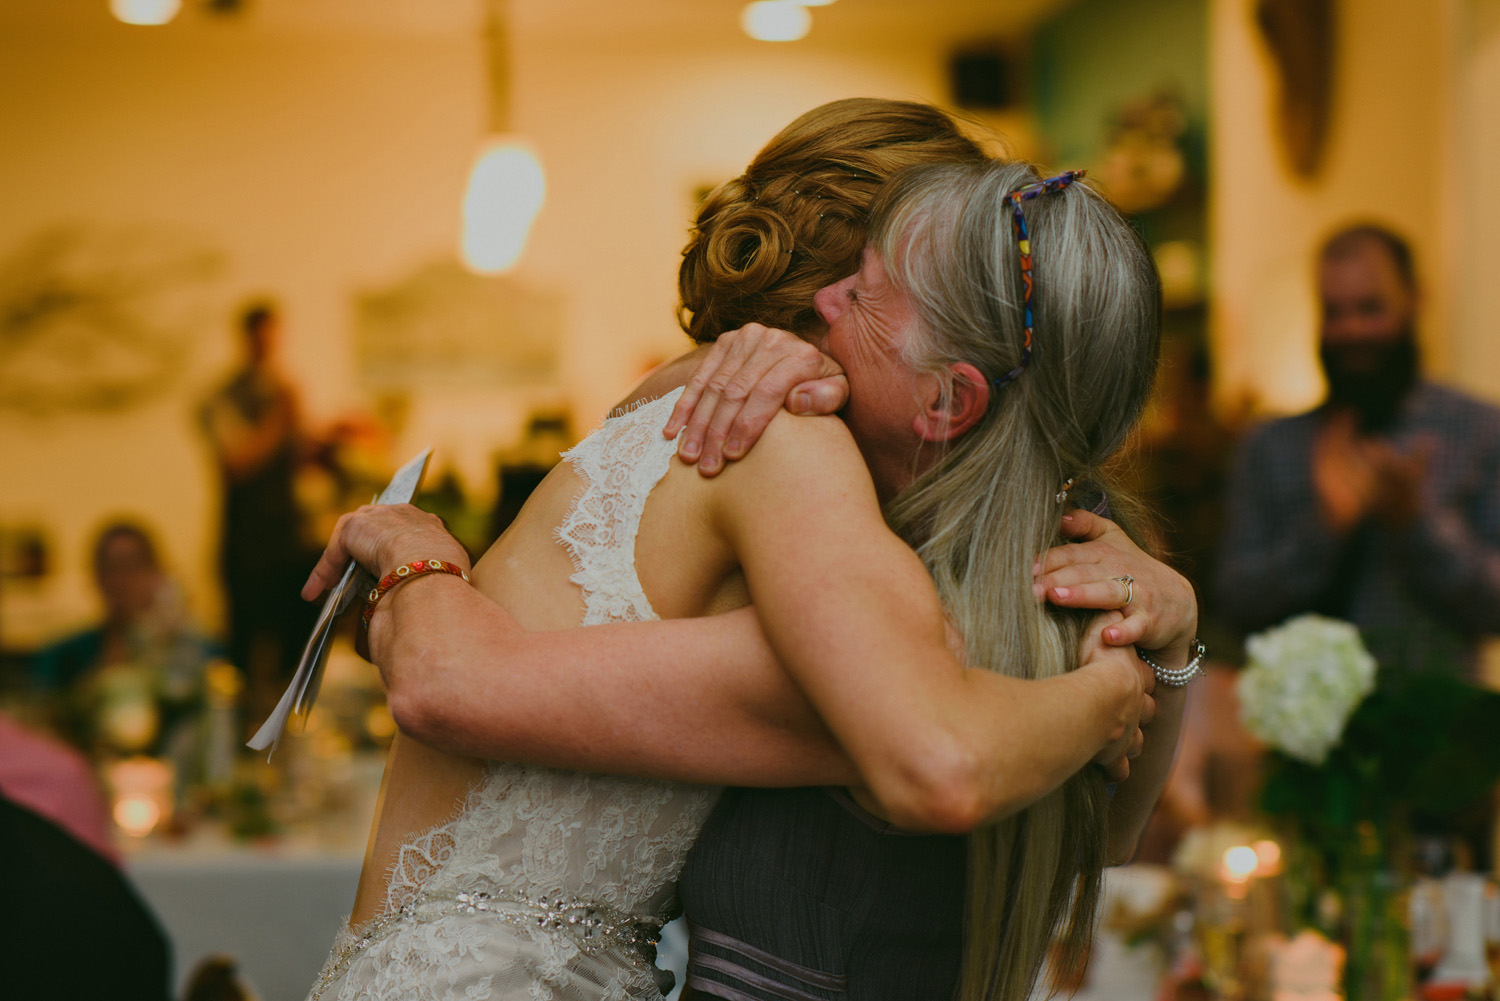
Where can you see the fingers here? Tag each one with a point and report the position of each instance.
(1093, 642)
(697, 393)
(744, 379)
(1083, 587)
(820, 396)
(377, 536)
(744, 400)
(1129, 632)
(1107, 593)
(721, 386)
(1117, 770)
(1085, 526)
(1093, 537)
(749, 402)
(330, 566)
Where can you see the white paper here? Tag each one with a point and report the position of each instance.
(303, 691)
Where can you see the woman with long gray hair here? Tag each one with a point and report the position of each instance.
(846, 608)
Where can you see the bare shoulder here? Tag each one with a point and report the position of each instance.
(799, 440)
(798, 465)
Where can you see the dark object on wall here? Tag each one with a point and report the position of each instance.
(1300, 35)
(99, 319)
(983, 80)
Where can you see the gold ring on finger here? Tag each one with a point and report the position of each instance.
(1129, 583)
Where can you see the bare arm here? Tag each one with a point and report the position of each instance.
(622, 698)
(691, 699)
(1162, 616)
(855, 619)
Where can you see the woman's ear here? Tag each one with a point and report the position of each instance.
(966, 404)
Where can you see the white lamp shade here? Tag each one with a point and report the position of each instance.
(505, 193)
(145, 11)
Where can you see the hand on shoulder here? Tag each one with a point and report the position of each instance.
(744, 379)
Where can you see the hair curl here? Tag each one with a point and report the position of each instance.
(763, 243)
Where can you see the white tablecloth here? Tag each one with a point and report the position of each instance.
(274, 911)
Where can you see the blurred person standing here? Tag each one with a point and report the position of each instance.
(1382, 505)
(253, 424)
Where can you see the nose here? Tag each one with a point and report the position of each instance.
(828, 301)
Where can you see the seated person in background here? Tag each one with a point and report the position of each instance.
(145, 650)
(64, 903)
(55, 781)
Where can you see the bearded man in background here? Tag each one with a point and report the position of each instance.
(1382, 505)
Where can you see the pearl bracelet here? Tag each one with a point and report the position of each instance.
(1177, 677)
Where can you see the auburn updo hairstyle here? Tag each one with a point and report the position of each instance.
(796, 219)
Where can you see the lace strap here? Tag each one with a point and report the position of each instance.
(619, 464)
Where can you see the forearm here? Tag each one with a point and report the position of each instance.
(1136, 797)
(1070, 719)
(698, 700)
(1000, 744)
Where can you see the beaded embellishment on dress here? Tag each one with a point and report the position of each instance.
(549, 885)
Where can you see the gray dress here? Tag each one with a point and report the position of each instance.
(801, 895)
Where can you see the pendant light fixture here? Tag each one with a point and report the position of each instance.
(145, 11)
(506, 184)
(775, 20)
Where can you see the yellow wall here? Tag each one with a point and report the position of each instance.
(1476, 199)
(314, 163)
(321, 162)
(628, 135)
(1386, 159)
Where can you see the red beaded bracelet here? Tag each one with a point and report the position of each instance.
(405, 571)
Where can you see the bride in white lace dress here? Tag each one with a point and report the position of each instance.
(505, 881)
(547, 883)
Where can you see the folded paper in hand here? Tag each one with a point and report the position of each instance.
(303, 690)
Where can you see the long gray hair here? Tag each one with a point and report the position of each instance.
(981, 514)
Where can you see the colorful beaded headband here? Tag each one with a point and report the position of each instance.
(1026, 193)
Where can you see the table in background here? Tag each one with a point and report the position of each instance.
(275, 910)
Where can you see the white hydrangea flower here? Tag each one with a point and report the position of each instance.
(1302, 682)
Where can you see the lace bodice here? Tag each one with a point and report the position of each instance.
(619, 463)
(582, 867)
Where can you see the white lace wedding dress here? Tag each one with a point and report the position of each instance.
(549, 885)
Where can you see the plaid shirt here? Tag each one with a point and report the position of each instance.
(1423, 595)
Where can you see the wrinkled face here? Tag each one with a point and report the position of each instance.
(869, 321)
(1364, 297)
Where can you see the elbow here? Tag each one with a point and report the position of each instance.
(412, 712)
(940, 790)
(1121, 848)
(414, 704)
